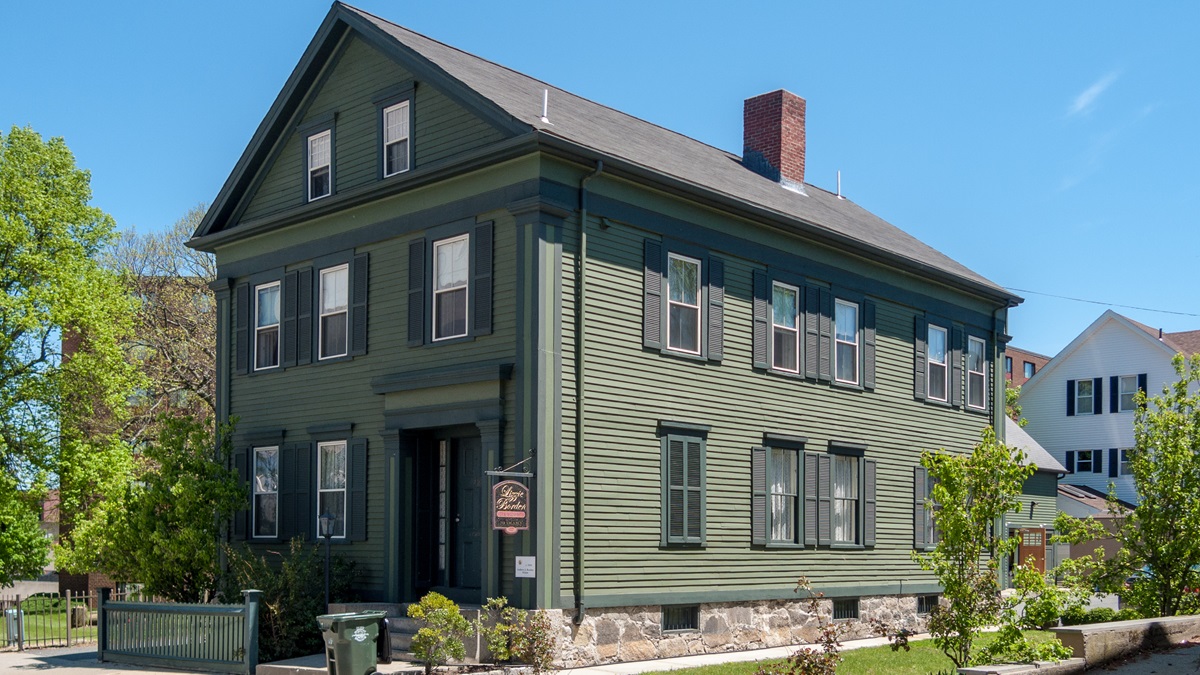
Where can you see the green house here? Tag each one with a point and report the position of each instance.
(437, 274)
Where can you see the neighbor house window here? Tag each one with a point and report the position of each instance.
(1084, 397)
(395, 139)
(1008, 365)
(1126, 467)
(320, 165)
(451, 269)
(1084, 461)
(937, 359)
(976, 374)
(845, 323)
(1030, 369)
(683, 297)
(266, 492)
(784, 471)
(1129, 387)
(785, 353)
(331, 484)
(266, 326)
(335, 295)
(845, 499)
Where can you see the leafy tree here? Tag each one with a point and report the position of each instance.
(1012, 404)
(23, 551)
(56, 294)
(163, 531)
(973, 492)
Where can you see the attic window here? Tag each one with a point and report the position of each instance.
(320, 174)
(395, 139)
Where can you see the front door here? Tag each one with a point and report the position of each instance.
(449, 499)
(467, 528)
(1033, 546)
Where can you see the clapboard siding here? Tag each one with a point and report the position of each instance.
(442, 129)
(629, 389)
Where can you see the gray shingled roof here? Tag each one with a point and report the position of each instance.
(618, 135)
(1035, 454)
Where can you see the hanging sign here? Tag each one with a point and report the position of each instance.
(510, 506)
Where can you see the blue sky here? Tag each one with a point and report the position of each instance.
(1052, 147)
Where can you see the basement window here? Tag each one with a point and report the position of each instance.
(845, 609)
(926, 603)
(677, 618)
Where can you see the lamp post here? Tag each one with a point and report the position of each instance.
(326, 524)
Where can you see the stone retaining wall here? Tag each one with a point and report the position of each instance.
(1099, 643)
(614, 634)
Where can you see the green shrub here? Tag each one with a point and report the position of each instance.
(293, 595)
(1101, 615)
(441, 638)
(47, 604)
(514, 634)
(1128, 614)
(1074, 616)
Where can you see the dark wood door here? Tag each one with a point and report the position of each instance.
(1033, 547)
(467, 521)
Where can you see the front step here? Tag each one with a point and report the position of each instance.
(403, 629)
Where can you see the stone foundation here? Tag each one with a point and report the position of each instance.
(614, 634)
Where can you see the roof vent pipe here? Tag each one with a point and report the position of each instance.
(546, 106)
(1159, 333)
(839, 192)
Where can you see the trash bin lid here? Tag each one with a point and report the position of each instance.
(332, 621)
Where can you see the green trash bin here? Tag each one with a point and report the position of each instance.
(350, 641)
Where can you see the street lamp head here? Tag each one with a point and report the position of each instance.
(325, 521)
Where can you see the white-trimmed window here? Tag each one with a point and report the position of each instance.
(395, 139)
(333, 326)
(683, 299)
(1030, 369)
(451, 271)
(784, 470)
(845, 325)
(1084, 461)
(785, 305)
(266, 492)
(1129, 387)
(845, 499)
(266, 326)
(937, 360)
(320, 165)
(1125, 468)
(1084, 397)
(976, 374)
(331, 484)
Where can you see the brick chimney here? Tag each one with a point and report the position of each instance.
(773, 137)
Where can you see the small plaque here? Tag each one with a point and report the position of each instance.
(526, 566)
(510, 506)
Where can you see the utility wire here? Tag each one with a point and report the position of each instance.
(1098, 302)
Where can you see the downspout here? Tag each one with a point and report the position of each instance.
(999, 413)
(580, 307)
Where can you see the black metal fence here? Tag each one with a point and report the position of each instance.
(48, 620)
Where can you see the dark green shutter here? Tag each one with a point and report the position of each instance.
(1070, 398)
(695, 491)
(304, 316)
(758, 496)
(812, 331)
(1114, 396)
(811, 491)
(1114, 462)
(825, 355)
(919, 511)
(304, 503)
(868, 332)
(652, 299)
(676, 488)
(286, 518)
(920, 335)
(762, 320)
(956, 367)
(1098, 396)
(356, 470)
(359, 283)
(716, 309)
(481, 293)
(869, 505)
(288, 319)
(824, 500)
(241, 464)
(1070, 461)
(241, 337)
(416, 292)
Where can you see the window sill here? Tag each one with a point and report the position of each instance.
(332, 359)
(681, 545)
(847, 385)
(847, 547)
(934, 401)
(786, 373)
(783, 546)
(447, 341)
(682, 355)
(977, 411)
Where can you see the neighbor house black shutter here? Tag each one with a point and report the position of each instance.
(1070, 398)
(242, 329)
(1070, 461)
(920, 334)
(868, 365)
(758, 495)
(304, 316)
(1098, 396)
(812, 332)
(357, 498)
(919, 496)
(359, 284)
(1097, 461)
(1114, 396)
(288, 320)
(1142, 383)
(716, 309)
(869, 505)
(762, 320)
(652, 298)
(241, 464)
(826, 354)
(1114, 462)
(811, 493)
(956, 367)
(416, 292)
(481, 303)
(824, 501)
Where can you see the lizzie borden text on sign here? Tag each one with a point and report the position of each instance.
(510, 506)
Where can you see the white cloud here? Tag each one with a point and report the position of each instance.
(1084, 101)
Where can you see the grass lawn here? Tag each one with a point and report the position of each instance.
(924, 659)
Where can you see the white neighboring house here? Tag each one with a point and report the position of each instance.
(1080, 405)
